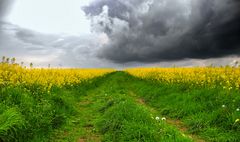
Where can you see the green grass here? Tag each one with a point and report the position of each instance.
(210, 113)
(32, 115)
(108, 109)
(124, 119)
(110, 113)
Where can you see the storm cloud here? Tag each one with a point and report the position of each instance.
(165, 30)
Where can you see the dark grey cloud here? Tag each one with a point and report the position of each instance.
(116, 8)
(163, 30)
(72, 51)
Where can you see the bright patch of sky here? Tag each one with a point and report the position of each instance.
(51, 16)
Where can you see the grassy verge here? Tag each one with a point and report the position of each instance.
(33, 115)
(211, 113)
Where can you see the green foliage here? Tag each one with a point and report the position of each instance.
(11, 121)
(108, 107)
(208, 112)
(30, 115)
(110, 113)
(124, 119)
(128, 121)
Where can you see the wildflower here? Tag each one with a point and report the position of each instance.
(163, 118)
(237, 109)
(157, 118)
(223, 106)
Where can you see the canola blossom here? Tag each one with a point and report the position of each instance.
(15, 75)
(210, 77)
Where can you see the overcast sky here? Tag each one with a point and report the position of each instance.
(120, 33)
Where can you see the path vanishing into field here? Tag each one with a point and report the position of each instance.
(110, 110)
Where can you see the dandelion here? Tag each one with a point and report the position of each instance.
(157, 118)
(163, 119)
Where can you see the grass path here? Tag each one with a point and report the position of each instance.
(175, 123)
(110, 111)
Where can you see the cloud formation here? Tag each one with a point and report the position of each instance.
(43, 49)
(59, 50)
(165, 30)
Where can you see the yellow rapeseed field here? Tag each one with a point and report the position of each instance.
(226, 77)
(13, 74)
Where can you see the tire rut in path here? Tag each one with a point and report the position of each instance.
(92, 136)
(89, 106)
(175, 123)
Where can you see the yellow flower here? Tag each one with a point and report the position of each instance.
(227, 78)
(46, 78)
